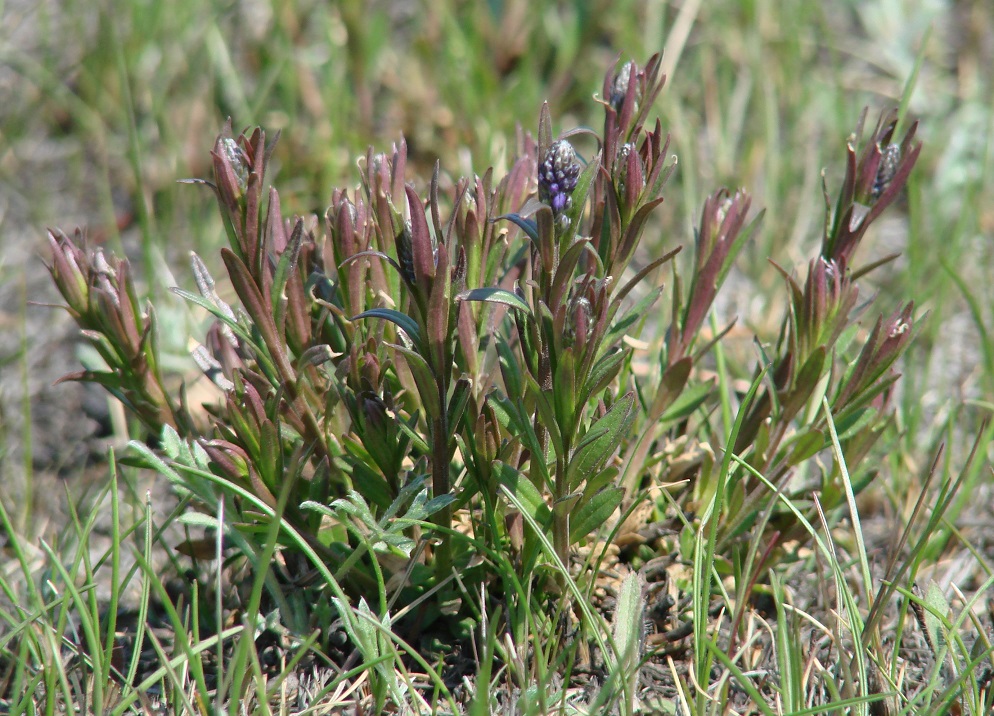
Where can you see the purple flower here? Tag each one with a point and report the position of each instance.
(557, 176)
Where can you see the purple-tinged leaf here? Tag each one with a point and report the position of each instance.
(671, 385)
(578, 199)
(564, 272)
(259, 311)
(437, 319)
(457, 404)
(645, 271)
(803, 384)
(422, 250)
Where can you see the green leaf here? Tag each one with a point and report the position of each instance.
(514, 419)
(671, 386)
(286, 264)
(688, 401)
(529, 226)
(457, 404)
(495, 295)
(805, 446)
(524, 491)
(417, 440)
(366, 480)
(564, 272)
(547, 413)
(607, 476)
(437, 503)
(509, 369)
(851, 423)
(603, 438)
(626, 628)
(807, 380)
(564, 391)
(270, 464)
(579, 198)
(604, 371)
(936, 612)
(219, 314)
(425, 379)
(172, 444)
(635, 314)
(199, 519)
(401, 320)
(593, 512)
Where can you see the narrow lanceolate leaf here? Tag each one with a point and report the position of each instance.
(807, 380)
(522, 488)
(401, 320)
(425, 379)
(645, 271)
(547, 414)
(594, 511)
(602, 439)
(603, 372)
(256, 307)
(529, 226)
(579, 198)
(627, 630)
(458, 402)
(286, 265)
(564, 272)
(544, 130)
(437, 319)
(806, 446)
(495, 295)
(510, 370)
(936, 612)
(674, 380)
(423, 253)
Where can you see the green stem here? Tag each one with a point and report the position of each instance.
(560, 514)
(440, 459)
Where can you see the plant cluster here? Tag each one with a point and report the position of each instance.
(434, 393)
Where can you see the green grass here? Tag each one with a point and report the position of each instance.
(760, 95)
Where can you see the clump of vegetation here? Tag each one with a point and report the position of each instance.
(449, 409)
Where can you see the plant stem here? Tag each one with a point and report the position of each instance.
(560, 514)
(440, 459)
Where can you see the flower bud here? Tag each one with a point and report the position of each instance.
(557, 176)
(236, 157)
(890, 157)
(619, 87)
(374, 409)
